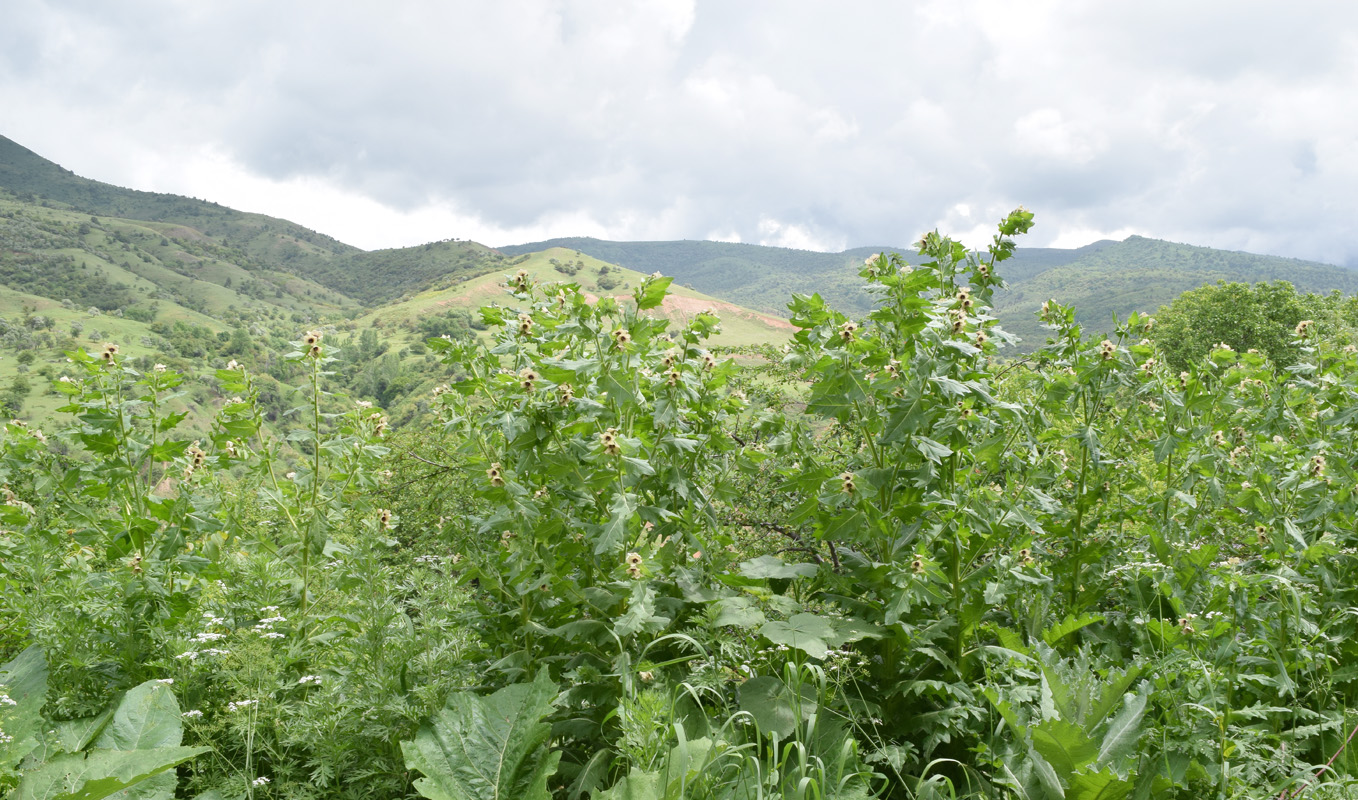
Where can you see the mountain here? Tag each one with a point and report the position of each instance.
(193, 284)
(1100, 279)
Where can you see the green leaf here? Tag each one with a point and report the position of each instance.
(1064, 745)
(100, 773)
(1068, 626)
(773, 567)
(806, 632)
(614, 532)
(932, 450)
(487, 748)
(774, 706)
(741, 612)
(637, 785)
(1098, 786)
(1124, 731)
(147, 717)
(651, 292)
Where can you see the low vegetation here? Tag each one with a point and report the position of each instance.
(890, 560)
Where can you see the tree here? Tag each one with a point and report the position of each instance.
(1262, 317)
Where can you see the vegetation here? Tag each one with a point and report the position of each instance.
(1101, 280)
(890, 562)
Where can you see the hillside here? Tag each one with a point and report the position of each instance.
(1101, 279)
(740, 326)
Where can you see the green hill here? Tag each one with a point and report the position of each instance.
(1100, 279)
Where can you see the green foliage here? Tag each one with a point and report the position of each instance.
(1263, 318)
(890, 560)
(494, 748)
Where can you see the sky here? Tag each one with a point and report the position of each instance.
(798, 123)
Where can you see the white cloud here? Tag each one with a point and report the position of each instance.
(768, 120)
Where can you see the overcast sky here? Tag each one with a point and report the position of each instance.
(799, 123)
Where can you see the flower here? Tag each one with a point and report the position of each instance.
(621, 336)
(609, 439)
(495, 475)
(633, 559)
(241, 705)
(311, 338)
(565, 393)
(847, 483)
(527, 379)
(848, 330)
(384, 518)
(525, 325)
(310, 679)
(110, 351)
(1304, 328)
(260, 781)
(158, 368)
(192, 714)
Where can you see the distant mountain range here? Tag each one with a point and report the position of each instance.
(167, 243)
(1099, 279)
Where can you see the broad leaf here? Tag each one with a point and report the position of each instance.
(487, 748)
(806, 632)
(774, 706)
(100, 773)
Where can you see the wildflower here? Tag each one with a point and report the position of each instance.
(525, 324)
(192, 714)
(565, 393)
(506, 536)
(621, 337)
(959, 321)
(1242, 450)
(260, 781)
(196, 455)
(1148, 366)
(110, 351)
(1218, 438)
(893, 368)
(292, 476)
(1278, 439)
(1304, 328)
(233, 364)
(384, 518)
(5, 738)
(983, 271)
(1317, 465)
(633, 559)
(1107, 349)
(646, 676)
(981, 338)
(709, 361)
(312, 338)
(964, 298)
(314, 352)
(310, 679)
(495, 475)
(241, 705)
(6, 700)
(847, 485)
(1186, 625)
(848, 330)
(1183, 381)
(634, 572)
(165, 681)
(158, 368)
(672, 378)
(527, 379)
(917, 566)
(609, 439)
(1150, 323)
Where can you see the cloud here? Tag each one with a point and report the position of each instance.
(788, 121)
